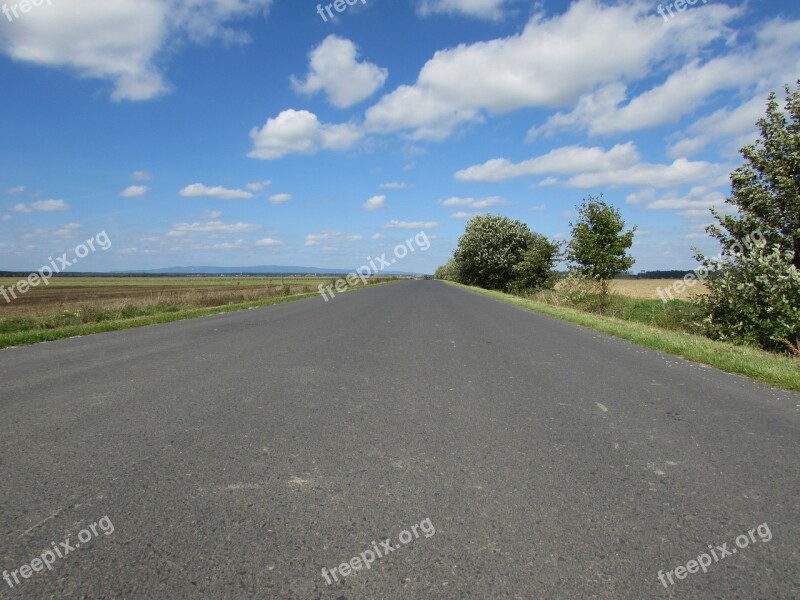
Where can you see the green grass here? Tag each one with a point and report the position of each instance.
(773, 369)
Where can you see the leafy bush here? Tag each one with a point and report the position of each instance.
(756, 300)
(498, 253)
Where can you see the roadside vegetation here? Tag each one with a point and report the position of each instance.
(745, 314)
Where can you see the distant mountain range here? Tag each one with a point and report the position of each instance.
(257, 270)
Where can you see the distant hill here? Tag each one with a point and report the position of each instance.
(256, 270)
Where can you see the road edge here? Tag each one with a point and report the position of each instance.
(757, 365)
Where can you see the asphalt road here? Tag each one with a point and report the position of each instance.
(236, 456)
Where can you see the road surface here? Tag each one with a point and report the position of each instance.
(502, 454)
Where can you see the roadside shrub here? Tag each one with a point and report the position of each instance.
(756, 300)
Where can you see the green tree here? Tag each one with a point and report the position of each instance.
(599, 247)
(536, 270)
(766, 188)
(447, 271)
(755, 291)
(489, 250)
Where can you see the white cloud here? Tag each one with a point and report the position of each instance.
(539, 208)
(462, 84)
(212, 215)
(258, 186)
(394, 185)
(395, 224)
(474, 203)
(680, 172)
(737, 125)
(140, 176)
(334, 69)
(211, 227)
(199, 190)
(643, 195)
(122, 41)
(230, 245)
(134, 191)
(481, 9)
(376, 236)
(592, 167)
(764, 64)
(64, 232)
(41, 206)
(16, 189)
(375, 203)
(567, 160)
(314, 239)
(696, 204)
(280, 198)
(462, 214)
(67, 231)
(300, 132)
(268, 242)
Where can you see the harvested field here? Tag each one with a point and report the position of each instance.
(648, 288)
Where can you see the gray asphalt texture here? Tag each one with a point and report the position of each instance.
(238, 455)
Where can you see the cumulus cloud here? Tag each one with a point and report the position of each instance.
(481, 9)
(394, 185)
(65, 232)
(334, 68)
(238, 244)
(18, 189)
(268, 243)
(140, 176)
(258, 186)
(463, 84)
(592, 167)
(280, 198)
(134, 191)
(474, 203)
(567, 160)
(211, 227)
(41, 206)
(122, 41)
(375, 203)
(737, 126)
(395, 224)
(315, 239)
(199, 190)
(752, 68)
(300, 132)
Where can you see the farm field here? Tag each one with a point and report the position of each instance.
(74, 306)
(648, 288)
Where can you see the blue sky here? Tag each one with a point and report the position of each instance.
(247, 132)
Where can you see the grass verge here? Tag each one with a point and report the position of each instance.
(23, 338)
(772, 369)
